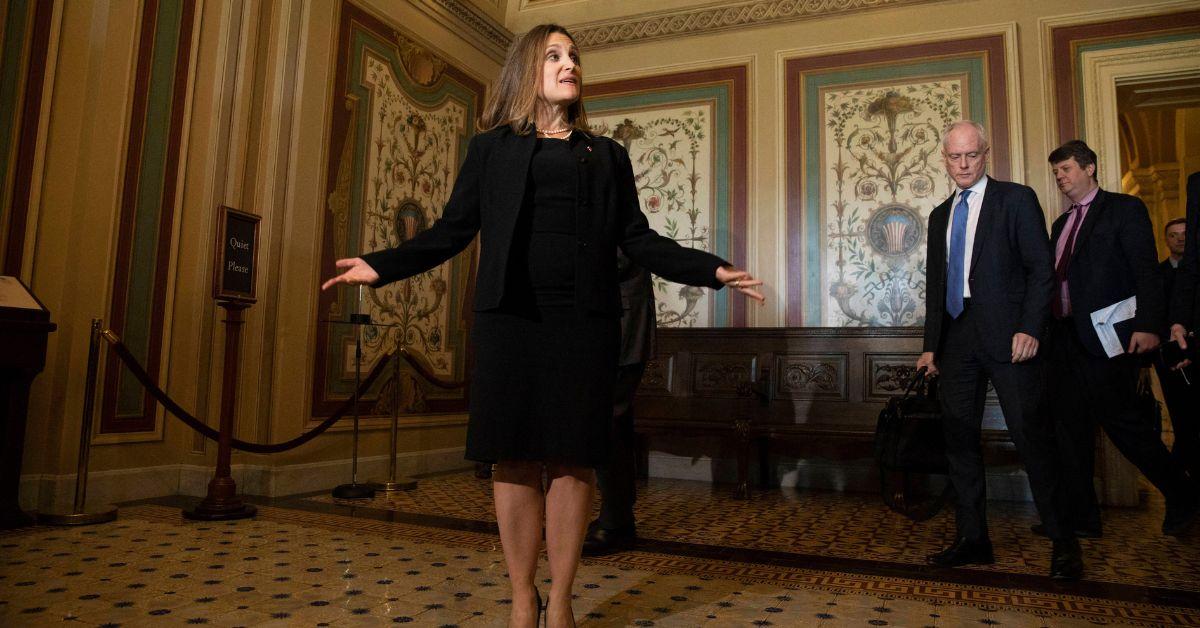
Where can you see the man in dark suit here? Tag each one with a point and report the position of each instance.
(1185, 300)
(989, 286)
(1185, 297)
(1104, 254)
(615, 529)
(1180, 389)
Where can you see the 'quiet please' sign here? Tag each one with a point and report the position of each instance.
(237, 252)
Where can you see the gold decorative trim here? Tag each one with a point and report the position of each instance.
(714, 18)
(463, 17)
(422, 66)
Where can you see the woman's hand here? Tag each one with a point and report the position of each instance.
(741, 281)
(357, 272)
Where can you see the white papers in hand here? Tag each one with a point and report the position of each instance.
(1105, 319)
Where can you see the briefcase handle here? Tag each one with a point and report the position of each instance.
(918, 378)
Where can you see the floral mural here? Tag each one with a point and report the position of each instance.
(397, 138)
(412, 157)
(672, 154)
(882, 175)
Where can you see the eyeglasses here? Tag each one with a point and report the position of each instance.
(971, 156)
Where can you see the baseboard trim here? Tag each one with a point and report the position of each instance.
(56, 493)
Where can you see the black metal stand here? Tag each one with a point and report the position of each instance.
(354, 490)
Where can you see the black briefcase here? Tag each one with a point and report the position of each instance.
(910, 450)
(1148, 408)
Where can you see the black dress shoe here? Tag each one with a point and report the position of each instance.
(1089, 532)
(1181, 514)
(1066, 560)
(601, 541)
(963, 552)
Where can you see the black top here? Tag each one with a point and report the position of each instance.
(1168, 277)
(550, 207)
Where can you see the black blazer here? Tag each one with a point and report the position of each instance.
(1011, 275)
(1185, 299)
(1168, 274)
(1115, 258)
(487, 198)
(638, 321)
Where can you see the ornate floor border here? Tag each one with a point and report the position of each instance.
(1038, 603)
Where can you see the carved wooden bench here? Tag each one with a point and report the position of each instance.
(815, 391)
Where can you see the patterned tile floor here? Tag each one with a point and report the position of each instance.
(301, 562)
(851, 526)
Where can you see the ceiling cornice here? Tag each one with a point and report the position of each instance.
(714, 18)
(465, 18)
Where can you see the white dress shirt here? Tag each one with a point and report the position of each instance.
(974, 203)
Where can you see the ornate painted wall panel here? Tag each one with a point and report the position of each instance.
(880, 172)
(147, 209)
(24, 40)
(398, 139)
(686, 137)
(864, 170)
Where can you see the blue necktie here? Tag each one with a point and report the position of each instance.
(956, 267)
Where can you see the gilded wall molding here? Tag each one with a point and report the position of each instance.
(463, 17)
(714, 18)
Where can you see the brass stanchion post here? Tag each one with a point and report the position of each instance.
(222, 502)
(79, 515)
(394, 483)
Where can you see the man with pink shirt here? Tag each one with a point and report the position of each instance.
(1104, 253)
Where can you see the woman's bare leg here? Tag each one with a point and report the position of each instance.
(517, 490)
(568, 508)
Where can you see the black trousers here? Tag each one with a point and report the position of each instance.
(617, 480)
(1183, 403)
(966, 368)
(1090, 390)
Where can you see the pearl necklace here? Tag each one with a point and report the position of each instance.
(554, 131)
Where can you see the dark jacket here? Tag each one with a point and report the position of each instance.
(637, 318)
(1168, 274)
(1115, 258)
(487, 198)
(1011, 275)
(1185, 299)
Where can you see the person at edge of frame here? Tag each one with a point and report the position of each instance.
(1181, 390)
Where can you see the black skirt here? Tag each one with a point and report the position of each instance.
(542, 386)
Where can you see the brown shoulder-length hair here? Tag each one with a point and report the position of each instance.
(513, 100)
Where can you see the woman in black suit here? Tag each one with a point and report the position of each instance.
(551, 204)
